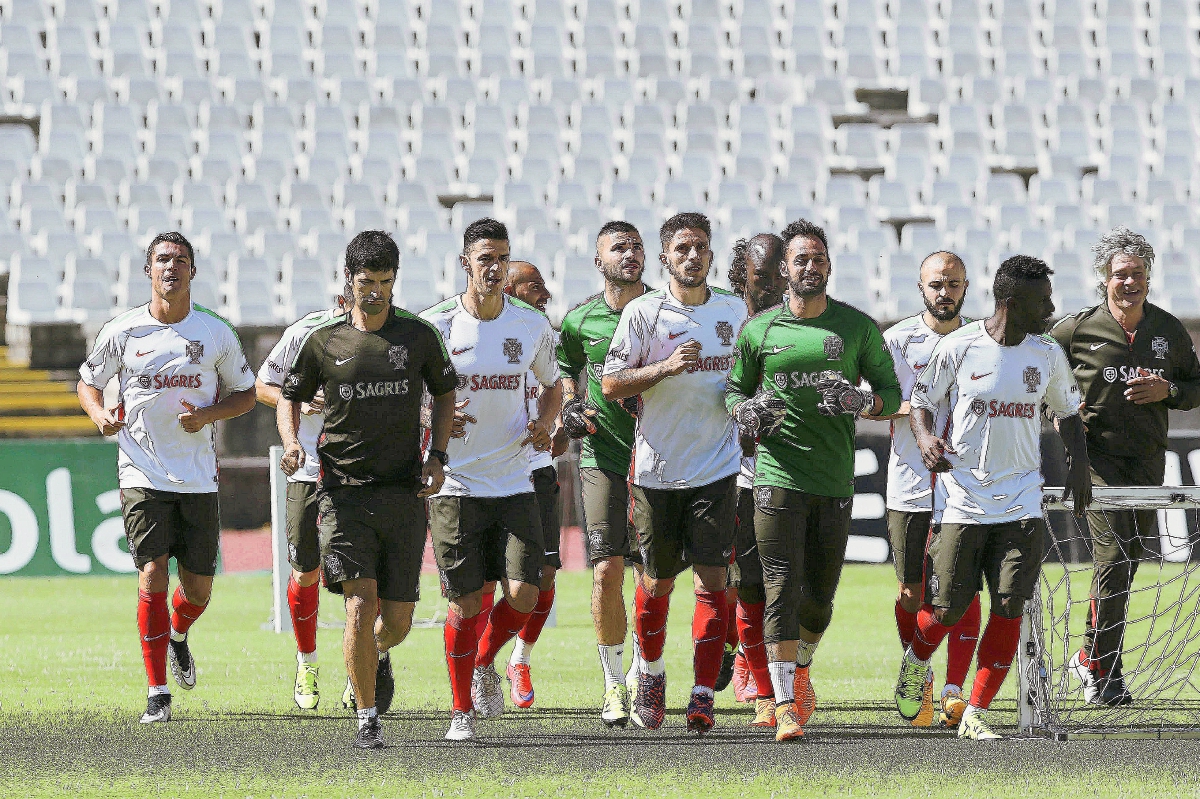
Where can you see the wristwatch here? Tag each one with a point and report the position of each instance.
(438, 455)
(1172, 390)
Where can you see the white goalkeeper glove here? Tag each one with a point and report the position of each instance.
(761, 415)
(839, 396)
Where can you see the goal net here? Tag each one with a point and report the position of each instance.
(1160, 644)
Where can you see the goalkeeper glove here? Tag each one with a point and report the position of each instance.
(577, 418)
(632, 406)
(761, 415)
(839, 396)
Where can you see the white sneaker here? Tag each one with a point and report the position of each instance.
(158, 709)
(1091, 686)
(462, 726)
(486, 693)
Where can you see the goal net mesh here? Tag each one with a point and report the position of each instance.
(1160, 644)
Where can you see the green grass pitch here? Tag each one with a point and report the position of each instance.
(72, 687)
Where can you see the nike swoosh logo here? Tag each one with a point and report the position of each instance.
(979, 377)
(845, 502)
(594, 341)
(920, 366)
(142, 354)
(677, 335)
(460, 352)
(777, 350)
(341, 361)
(1095, 347)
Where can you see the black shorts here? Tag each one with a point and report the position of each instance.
(373, 533)
(678, 528)
(746, 569)
(545, 487)
(1008, 555)
(610, 532)
(186, 527)
(908, 532)
(802, 545)
(304, 545)
(480, 540)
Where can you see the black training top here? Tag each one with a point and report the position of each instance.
(373, 384)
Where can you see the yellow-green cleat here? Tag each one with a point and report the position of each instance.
(975, 728)
(910, 687)
(307, 695)
(925, 716)
(615, 711)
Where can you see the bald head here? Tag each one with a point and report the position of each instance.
(943, 283)
(524, 281)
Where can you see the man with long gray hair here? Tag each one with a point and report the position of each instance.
(1133, 362)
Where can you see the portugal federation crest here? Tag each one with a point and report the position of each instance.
(978, 406)
(1032, 377)
(1159, 347)
(725, 333)
(513, 349)
(461, 382)
(398, 356)
(143, 381)
(194, 350)
(781, 379)
(346, 391)
(834, 347)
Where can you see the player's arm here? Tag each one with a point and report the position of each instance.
(545, 369)
(903, 370)
(931, 390)
(1185, 375)
(433, 473)
(101, 366)
(1062, 399)
(194, 419)
(757, 410)
(636, 380)
(875, 363)
(301, 384)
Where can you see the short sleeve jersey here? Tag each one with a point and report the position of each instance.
(993, 395)
(537, 460)
(786, 355)
(684, 437)
(159, 367)
(274, 371)
(909, 484)
(492, 359)
(373, 385)
(587, 332)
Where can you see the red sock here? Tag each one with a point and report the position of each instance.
(459, 635)
(485, 613)
(961, 644)
(930, 633)
(731, 628)
(651, 623)
(501, 628)
(708, 636)
(997, 646)
(184, 613)
(154, 628)
(302, 602)
(750, 629)
(906, 625)
(537, 619)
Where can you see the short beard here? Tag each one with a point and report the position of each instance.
(940, 315)
(683, 279)
(798, 289)
(612, 274)
(362, 306)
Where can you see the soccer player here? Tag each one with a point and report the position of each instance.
(173, 359)
(524, 281)
(1134, 362)
(795, 386)
(990, 378)
(304, 550)
(371, 366)
(606, 430)
(943, 285)
(674, 347)
(755, 275)
(485, 521)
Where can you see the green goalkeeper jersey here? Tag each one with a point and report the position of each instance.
(786, 355)
(587, 332)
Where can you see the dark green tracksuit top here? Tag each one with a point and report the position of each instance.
(1102, 358)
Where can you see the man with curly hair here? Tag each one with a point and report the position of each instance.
(1134, 362)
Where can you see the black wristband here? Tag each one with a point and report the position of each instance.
(438, 455)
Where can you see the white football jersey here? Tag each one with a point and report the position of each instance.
(492, 360)
(537, 460)
(684, 438)
(159, 367)
(994, 395)
(274, 370)
(909, 486)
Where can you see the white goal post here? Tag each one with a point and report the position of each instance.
(1160, 644)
